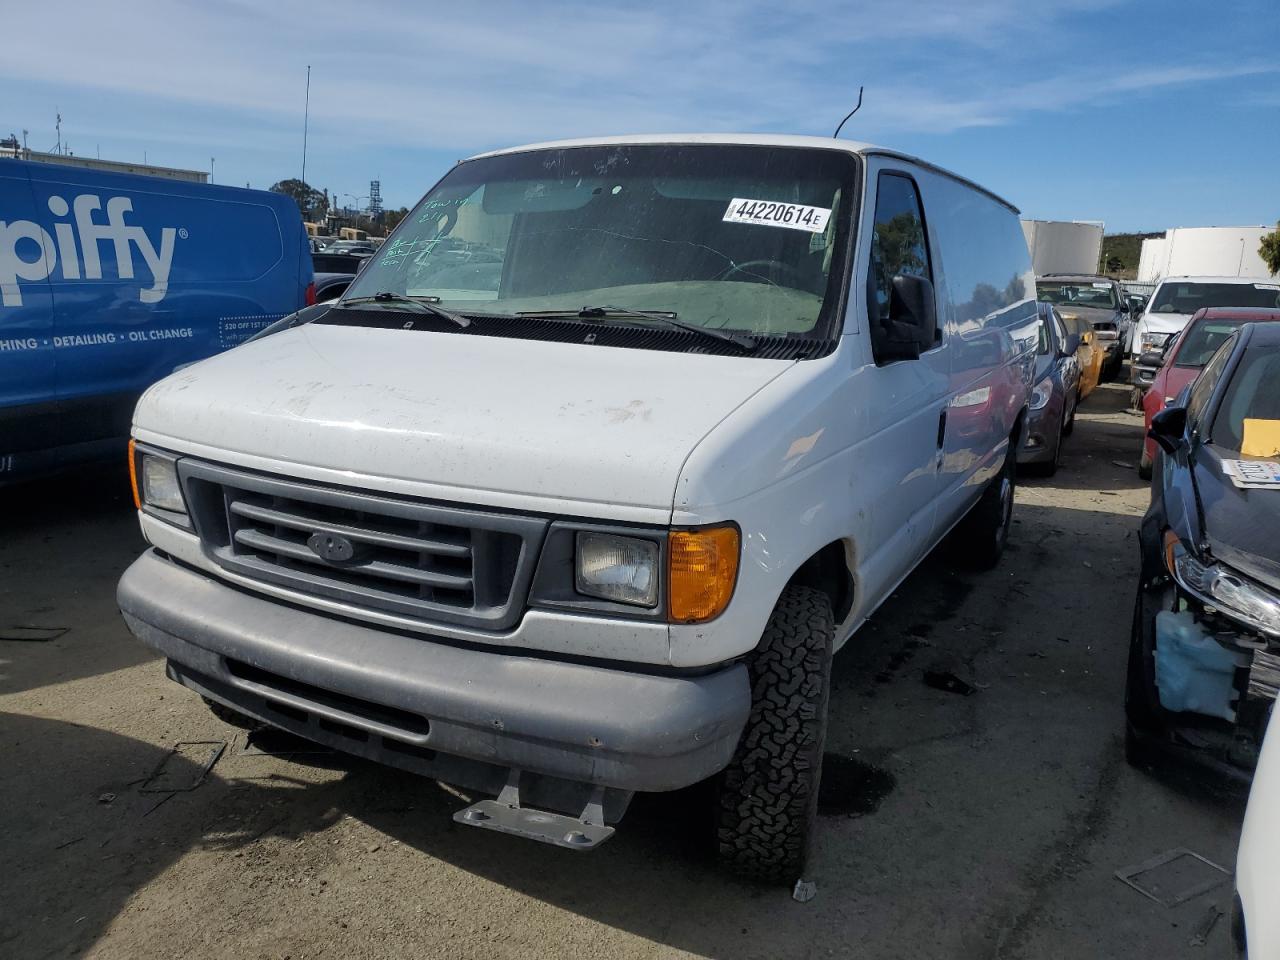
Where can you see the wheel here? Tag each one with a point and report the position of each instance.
(1069, 426)
(768, 795)
(1144, 717)
(233, 717)
(1144, 466)
(980, 537)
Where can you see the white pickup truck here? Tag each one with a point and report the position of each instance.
(599, 460)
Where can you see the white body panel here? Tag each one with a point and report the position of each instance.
(1204, 251)
(799, 454)
(1063, 246)
(1258, 860)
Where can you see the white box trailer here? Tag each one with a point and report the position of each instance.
(1064, 246)
(1204, 251)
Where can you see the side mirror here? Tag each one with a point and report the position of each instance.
(1124, 308)
(1168, 428)
(912, 327)
(1071, 345)
(1152, 358)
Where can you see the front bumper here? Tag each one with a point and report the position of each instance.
(1143, 377)
(463, 715)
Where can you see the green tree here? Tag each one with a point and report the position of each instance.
(1270, 249)
(310, 201)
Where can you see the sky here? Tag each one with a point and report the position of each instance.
(1145, 115)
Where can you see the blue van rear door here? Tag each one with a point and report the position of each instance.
(27, 408)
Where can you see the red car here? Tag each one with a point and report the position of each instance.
(1185, 355)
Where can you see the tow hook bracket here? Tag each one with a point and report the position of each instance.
(507, 815)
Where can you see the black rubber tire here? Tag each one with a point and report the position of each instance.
(767, 802)
(1145, 719)
(1070, 425)
(979, 539)
(233, 717)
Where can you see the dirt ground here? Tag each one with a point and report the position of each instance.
(982, 826)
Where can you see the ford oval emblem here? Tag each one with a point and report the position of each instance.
(331, 546)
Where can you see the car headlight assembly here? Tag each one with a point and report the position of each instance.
(1041, 393)
(154, 477)
(1220, 586)
(1153, 341)
(621, 569)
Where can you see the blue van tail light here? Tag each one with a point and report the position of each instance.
(311, 294)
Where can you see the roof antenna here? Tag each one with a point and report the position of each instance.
(851, 113)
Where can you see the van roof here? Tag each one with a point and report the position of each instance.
(750, 139)
(1270, 281)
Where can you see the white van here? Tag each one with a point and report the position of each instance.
(577, 489)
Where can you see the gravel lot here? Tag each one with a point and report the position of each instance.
(988, 825)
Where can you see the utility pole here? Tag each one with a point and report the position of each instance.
(58, 126)
(211, 170)
(306, 116)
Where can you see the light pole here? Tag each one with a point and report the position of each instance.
(211, 180)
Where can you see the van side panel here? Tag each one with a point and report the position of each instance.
(991, 326)
(27, 407)
(149, 274)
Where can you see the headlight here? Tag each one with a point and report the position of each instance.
(1221, 586)
(155, 481)
(1153, 341)
(1041, 393)
(974, 398)
(622, 569)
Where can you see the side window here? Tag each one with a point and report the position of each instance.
(898, 244)
(1202, 389)
(1058, 328)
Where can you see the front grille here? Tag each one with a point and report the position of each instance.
(421, 560)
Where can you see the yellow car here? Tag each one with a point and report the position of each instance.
(1089, 354)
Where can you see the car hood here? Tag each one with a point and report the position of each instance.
(455, 415)
(1174, 378)
(1092, 314)
(1164, 322)
(1242, 526)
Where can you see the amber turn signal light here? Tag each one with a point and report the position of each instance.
(702, 568)
(133, 474)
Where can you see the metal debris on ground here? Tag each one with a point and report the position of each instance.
(805, 890)
(1174, 876)
(184, 767)
(32, 634)
(106, 797)
(1205, 926)
(947, 681)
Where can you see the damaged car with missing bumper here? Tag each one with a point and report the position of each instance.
(1204, 657)
(587, 511)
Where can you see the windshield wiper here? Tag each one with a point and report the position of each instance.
(425, 304)
(668, 317)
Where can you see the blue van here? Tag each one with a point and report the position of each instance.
(110, 281)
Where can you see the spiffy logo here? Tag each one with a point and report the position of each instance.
(83, 258)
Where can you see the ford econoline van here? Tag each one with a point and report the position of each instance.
(110, 281)
(582, 483)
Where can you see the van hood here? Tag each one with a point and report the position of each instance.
(1165, 322)
(501, 421)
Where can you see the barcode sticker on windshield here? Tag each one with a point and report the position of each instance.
(769, 213)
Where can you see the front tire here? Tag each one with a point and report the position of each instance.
(768, 797)
(982, 535)
(1145, 718)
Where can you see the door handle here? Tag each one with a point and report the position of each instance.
(942, 428)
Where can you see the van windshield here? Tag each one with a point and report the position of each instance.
(1176, 296)
(1078, 294)
(732, 237)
